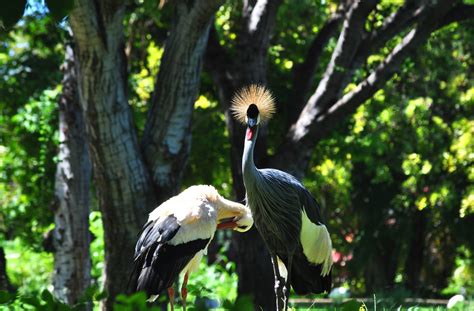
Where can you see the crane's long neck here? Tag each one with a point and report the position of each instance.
(249, 170)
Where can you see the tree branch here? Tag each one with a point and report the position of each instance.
(295, 152)
(342, 56)
(303, 73)
(404, 17)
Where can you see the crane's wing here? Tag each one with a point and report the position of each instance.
(315, 238)
(311, 268)
(157, 261)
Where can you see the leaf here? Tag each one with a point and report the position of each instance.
(60, 8)
(32, 301)
(6, 297)
(243, 303)
(351, 305)
(47, 297)
(89, 294)
(100, 296)
(11, 12)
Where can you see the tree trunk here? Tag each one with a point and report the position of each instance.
(415, 259)
(167, 137)
(123, 184)
(5, 284)
(71, 237)
(130, 183)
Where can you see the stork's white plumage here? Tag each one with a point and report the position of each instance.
(176, 237)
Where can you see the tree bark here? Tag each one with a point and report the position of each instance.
(5, 284)
(71, 237)
(123, 183)
(167, 138)
(416, 251)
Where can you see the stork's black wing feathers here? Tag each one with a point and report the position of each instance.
(158, 263)
(152, 233)
(160, 270)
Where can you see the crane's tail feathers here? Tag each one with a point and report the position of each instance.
(308, 278)
(253, 94)
(316, 284)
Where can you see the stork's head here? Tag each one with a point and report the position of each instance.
(245, 222)
(233, 215)
(253, 105)
(238, 223)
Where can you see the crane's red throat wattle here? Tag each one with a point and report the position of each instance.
(249, 134)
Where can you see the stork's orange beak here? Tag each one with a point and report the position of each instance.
(227, 223)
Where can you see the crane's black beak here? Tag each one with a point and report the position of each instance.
(251, 122)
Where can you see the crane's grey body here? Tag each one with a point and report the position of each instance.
(279, 202)
(277, 223)
(276, 200)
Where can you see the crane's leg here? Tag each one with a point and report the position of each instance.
(171, 297)
(279, 284)
(287, 288)
(184, 290)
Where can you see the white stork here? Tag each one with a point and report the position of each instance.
(176, 237)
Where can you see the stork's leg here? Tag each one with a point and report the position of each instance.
(171, 297)
(184, 290)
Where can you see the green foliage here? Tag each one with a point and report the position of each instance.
(408, 149)
(27, 165)
(97, 246)
(462, 278)
(351, 305)
(30, 56)
(44, 301)
(28, 269)
(136, 302)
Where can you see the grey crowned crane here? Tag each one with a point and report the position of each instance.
(285, 213)
(176, 237)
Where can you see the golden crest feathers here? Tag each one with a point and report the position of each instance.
(253, 94)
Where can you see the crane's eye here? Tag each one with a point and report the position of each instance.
(252, 111)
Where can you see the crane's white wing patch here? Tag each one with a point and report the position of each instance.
(282, 269)
(316, 242)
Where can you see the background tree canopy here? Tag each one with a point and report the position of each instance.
(110, 107)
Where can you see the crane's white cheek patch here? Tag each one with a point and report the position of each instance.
(316, 242)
